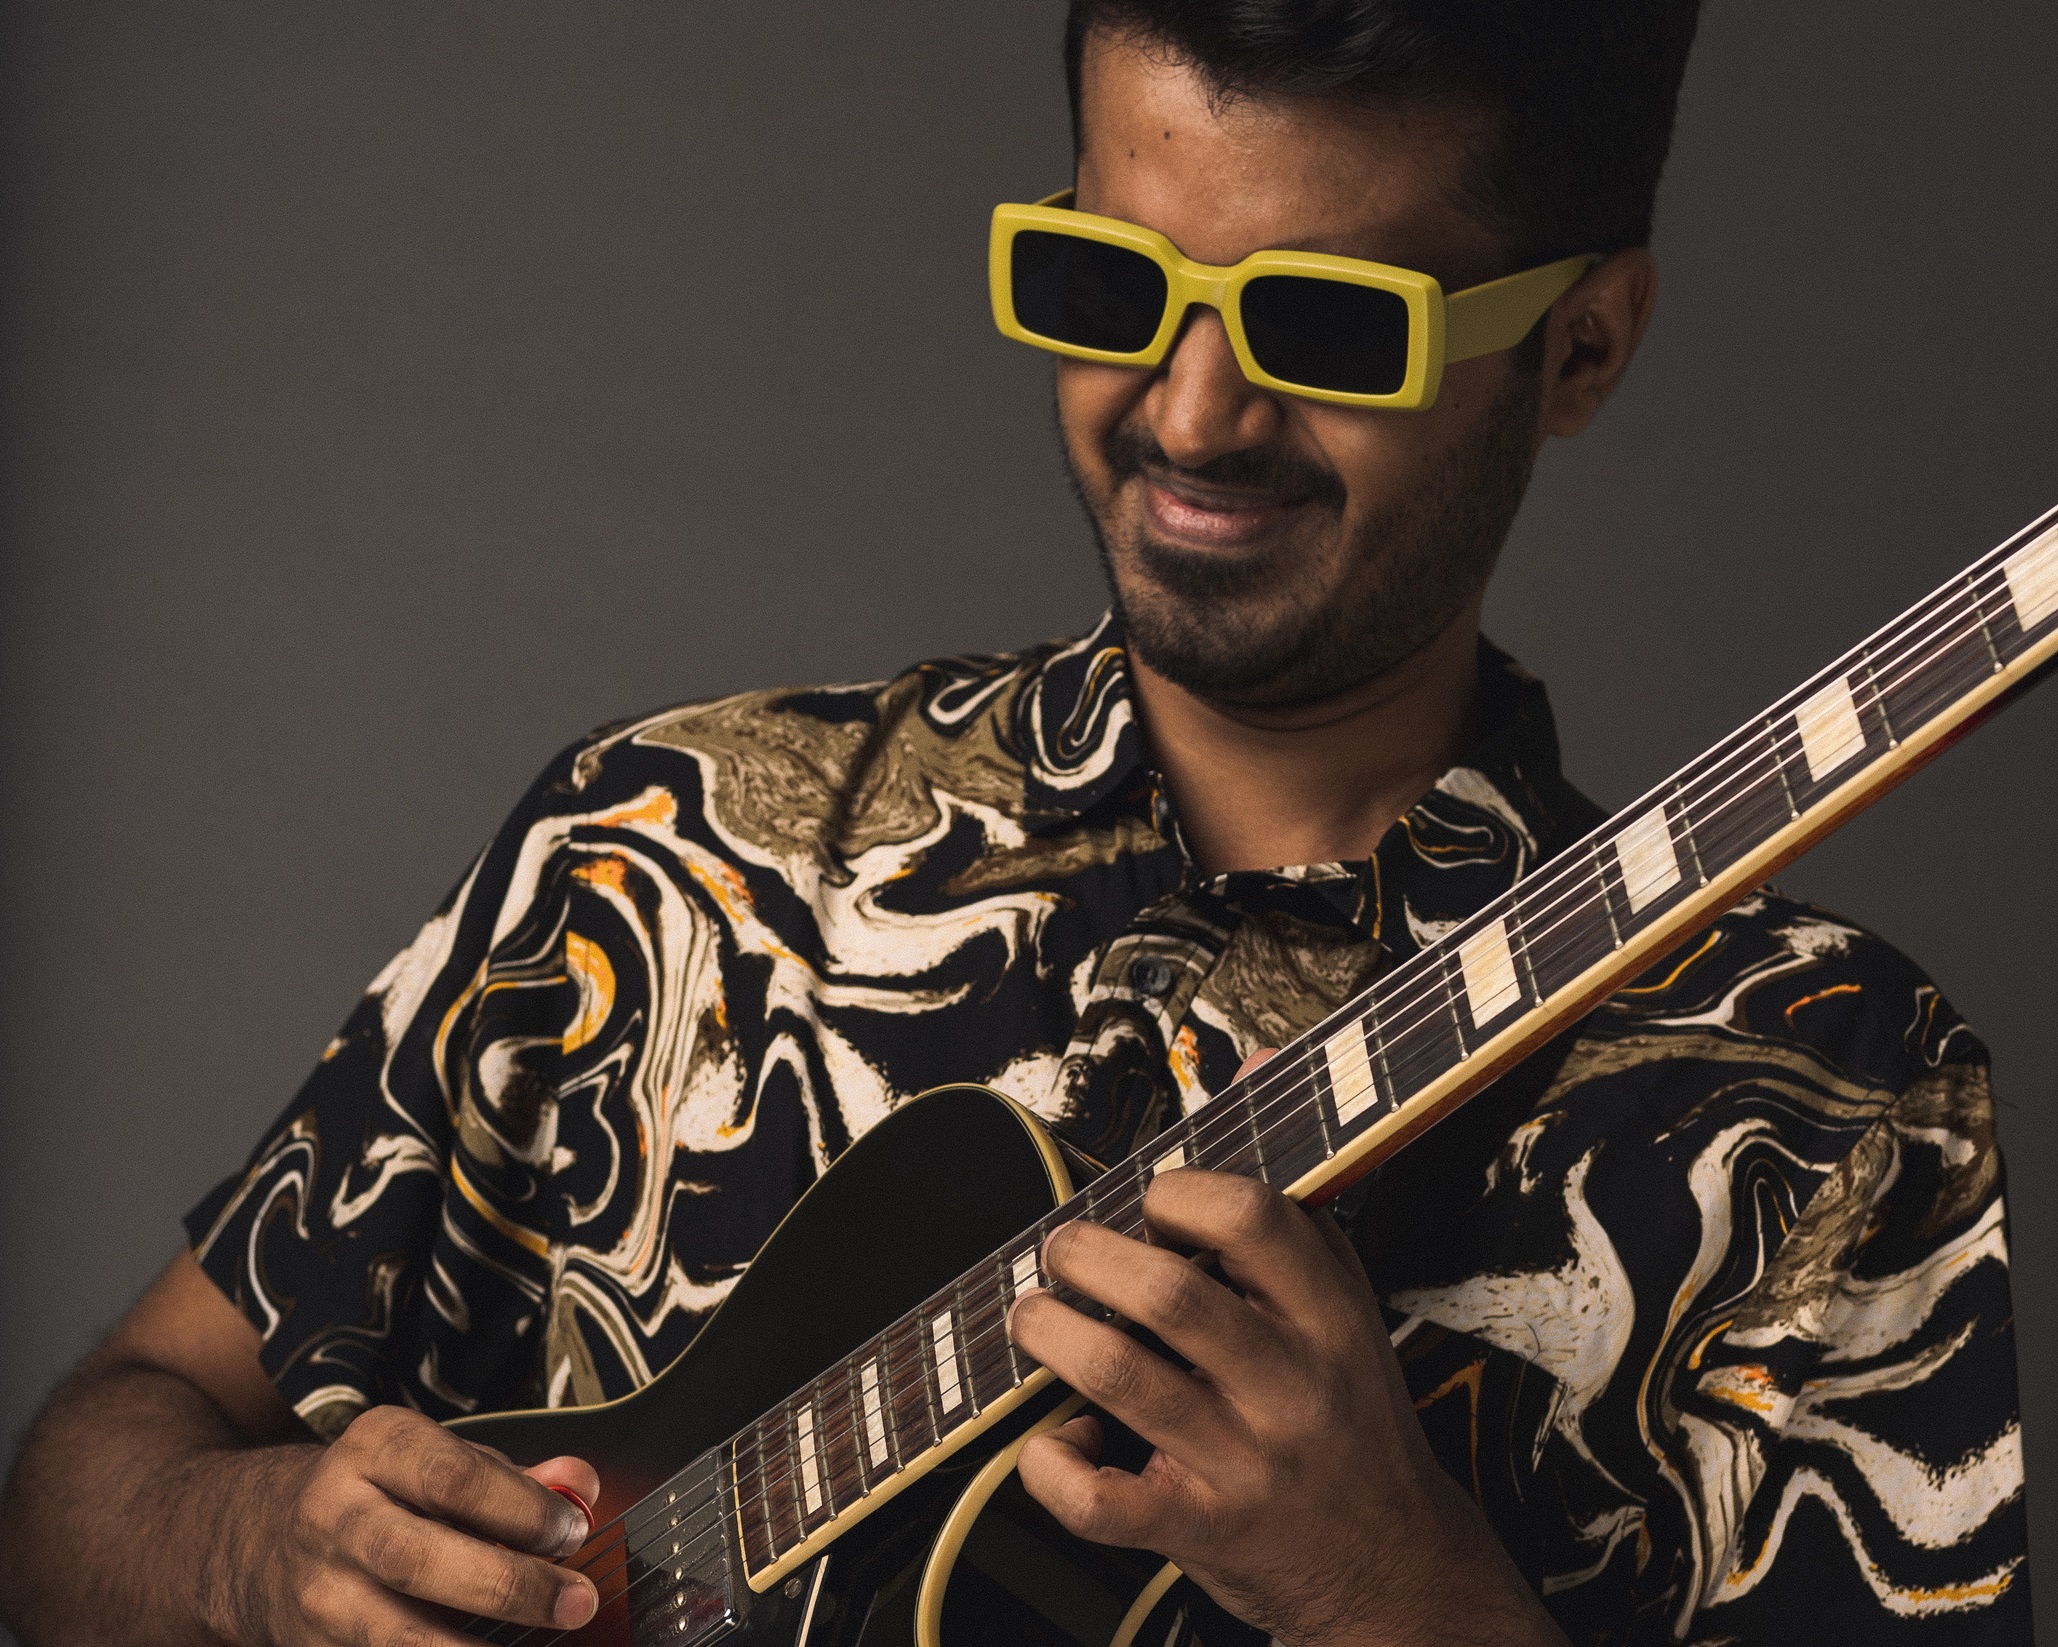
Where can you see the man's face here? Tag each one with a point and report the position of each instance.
(1266, 549)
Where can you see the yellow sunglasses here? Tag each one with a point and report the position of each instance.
(1338, 329)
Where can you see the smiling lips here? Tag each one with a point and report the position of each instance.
(1211, 519)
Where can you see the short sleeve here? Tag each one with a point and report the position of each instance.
(353, 1240)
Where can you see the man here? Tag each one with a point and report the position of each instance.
(1697, 1328)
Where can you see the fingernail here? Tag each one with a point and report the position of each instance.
(575, 1605)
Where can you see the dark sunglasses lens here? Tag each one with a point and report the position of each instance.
(1086, 293)
(1326, 334)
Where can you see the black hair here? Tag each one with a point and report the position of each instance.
(1581, 93)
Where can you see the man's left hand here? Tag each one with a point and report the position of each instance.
(1291, 1479)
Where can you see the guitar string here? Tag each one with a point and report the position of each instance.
(1964, 594)
(1432, 995)
(1887, 673)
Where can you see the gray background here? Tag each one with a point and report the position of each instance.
(395, 390)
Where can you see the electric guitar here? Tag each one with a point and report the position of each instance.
(830, 1463)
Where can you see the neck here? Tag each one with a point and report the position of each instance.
(1262, 787)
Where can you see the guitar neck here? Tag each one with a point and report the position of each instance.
(1439, 1027)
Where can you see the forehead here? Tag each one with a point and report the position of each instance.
(1226, 176)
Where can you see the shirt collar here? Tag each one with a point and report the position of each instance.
(1493, 817)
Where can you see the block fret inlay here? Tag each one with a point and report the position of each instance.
(1829, 728)
(810, 1459)
(875, 1416)
(1488, 964)
(950, 1390)
(2032, 573)
(1350, 1073)
(1648, 860)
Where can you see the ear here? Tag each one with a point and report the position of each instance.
(1593, 331)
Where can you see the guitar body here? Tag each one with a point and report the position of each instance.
(923, 1196)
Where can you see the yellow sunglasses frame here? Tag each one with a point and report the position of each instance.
(1481, 320)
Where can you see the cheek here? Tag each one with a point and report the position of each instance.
(1383, 456)
(1093, 402)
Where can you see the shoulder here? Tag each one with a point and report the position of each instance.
(1779, 983)
(796, 745)
(792, 785)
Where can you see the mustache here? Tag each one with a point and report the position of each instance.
(1132, 451)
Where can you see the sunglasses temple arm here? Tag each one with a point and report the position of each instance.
(1483, 320)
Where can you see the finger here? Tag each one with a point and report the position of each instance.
(432, 1562)
(566, 1475)
(417, 1461)
(1084, 1434)
(1171, 1296)
(1105, 1505)
(1171, 1409)
(357, 1610)
(1264, 1243)
(1253, 1061)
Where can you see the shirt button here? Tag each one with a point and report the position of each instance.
(1150, 974)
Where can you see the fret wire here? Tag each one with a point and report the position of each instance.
(1373, 1025)
(1450, 1001)
(764, 1495)
(1250, 1110)
(860, 1442)
(1779, 766)
(1518, 941)
(991, 1348)
(825, 1451)
(1934, 689)
(1004, 1281)
(1979, 607)
(925, 1356)
(1607, 903)
(1321, 1119)
(1571, 943)
(1886, 721)
(961, 1348)
(1686, 828)
(910, 1386)
(791, 1426)
(889, 1413)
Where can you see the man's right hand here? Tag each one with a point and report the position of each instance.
(354, 1538)
(168, 1497)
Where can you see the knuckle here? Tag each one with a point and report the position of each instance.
(310, 1516)
(375, 1427)
(509, 1590)
(1098, 1513)
(1111, 1373)
(1174, 1294)
(449, 1476)
(395, 1552)
(1254, 1209)
(318, 1599)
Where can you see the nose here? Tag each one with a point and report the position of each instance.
(1201, 406)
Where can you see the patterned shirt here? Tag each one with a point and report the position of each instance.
(1707, 1303)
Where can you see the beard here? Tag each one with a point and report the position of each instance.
(1263, 627)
